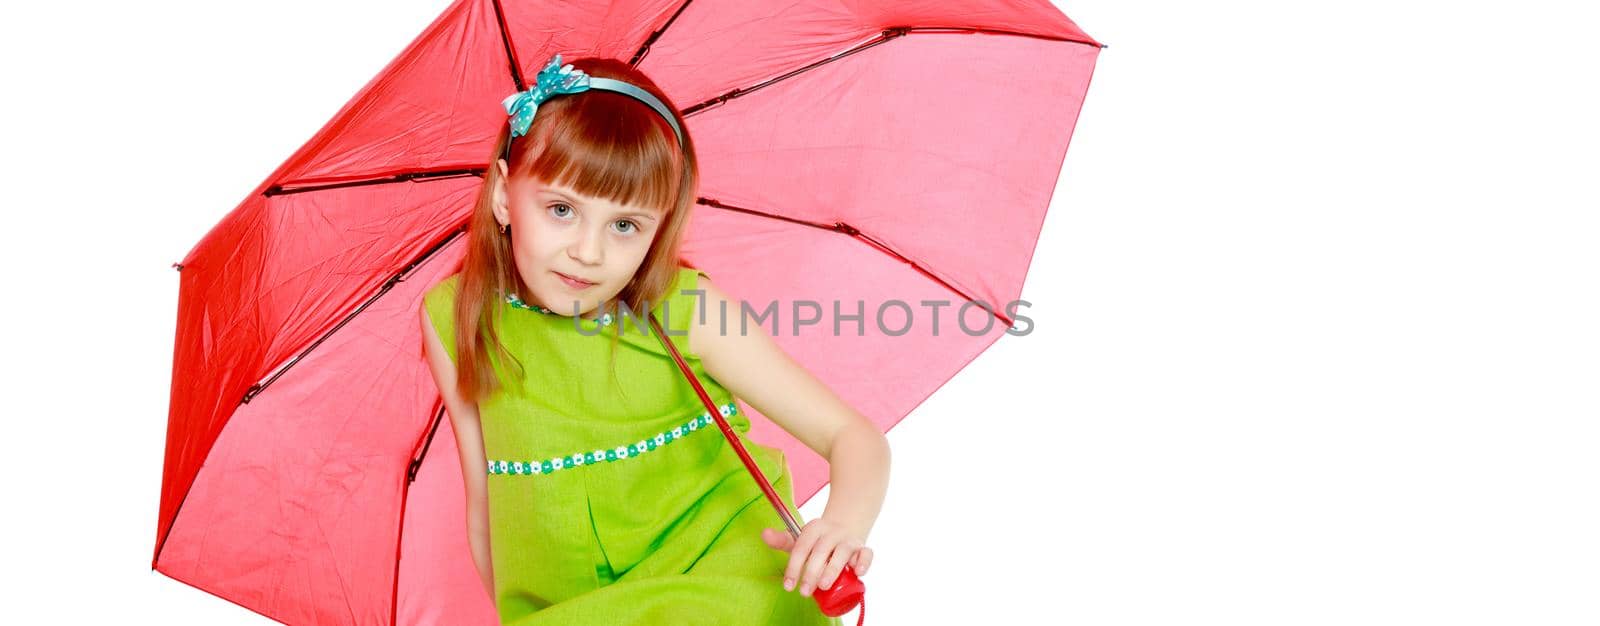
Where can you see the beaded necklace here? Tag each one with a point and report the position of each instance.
(513, 300)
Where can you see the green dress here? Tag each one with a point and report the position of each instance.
(616, 500)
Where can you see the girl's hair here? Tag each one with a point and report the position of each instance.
(598, 143)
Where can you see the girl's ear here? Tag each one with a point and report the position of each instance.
(501, 212)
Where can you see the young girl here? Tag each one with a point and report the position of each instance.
(610, 495)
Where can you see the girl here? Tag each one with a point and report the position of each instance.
(610, 496)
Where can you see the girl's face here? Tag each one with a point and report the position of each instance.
(555, 232)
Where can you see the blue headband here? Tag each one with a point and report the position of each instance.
(555, 80)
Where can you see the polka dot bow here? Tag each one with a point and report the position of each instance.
(554, 80)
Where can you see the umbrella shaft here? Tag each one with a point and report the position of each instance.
(727, 432)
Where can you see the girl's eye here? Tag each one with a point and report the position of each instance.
(557, 207)
(632, 226)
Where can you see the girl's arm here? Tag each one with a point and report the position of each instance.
(753, 367)
(469, 443)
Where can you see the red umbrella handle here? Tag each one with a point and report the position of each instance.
(847, 590)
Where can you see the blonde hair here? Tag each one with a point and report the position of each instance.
(598, 143)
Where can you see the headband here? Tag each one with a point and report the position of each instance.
(557, 79)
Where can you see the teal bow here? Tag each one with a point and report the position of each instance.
(554, 80)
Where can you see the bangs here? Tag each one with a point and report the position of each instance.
(608, 146)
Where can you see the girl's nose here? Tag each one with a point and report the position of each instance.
(588, 249)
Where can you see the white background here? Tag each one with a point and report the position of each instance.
(1315, 315)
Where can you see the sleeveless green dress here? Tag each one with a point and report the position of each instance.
(615, 499)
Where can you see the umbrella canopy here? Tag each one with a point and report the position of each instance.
(852, 156)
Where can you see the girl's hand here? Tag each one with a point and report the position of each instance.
(821, 552)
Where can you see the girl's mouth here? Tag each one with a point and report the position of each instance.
(573, 282)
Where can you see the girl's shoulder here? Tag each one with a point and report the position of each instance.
(443, 290)
(442, 295)
(439, 302)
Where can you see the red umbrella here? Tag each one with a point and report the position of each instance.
(873, 159)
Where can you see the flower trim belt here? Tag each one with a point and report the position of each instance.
(535, 468)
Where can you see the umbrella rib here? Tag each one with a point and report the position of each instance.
(340, 182)
(856, 233)
(399, 541)
(1002, 32)
(638, 55)
(387, 285)
(883, 37)
(405, 496)
(511, 52)
(416, 463)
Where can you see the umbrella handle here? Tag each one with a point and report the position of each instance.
(847, 590)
